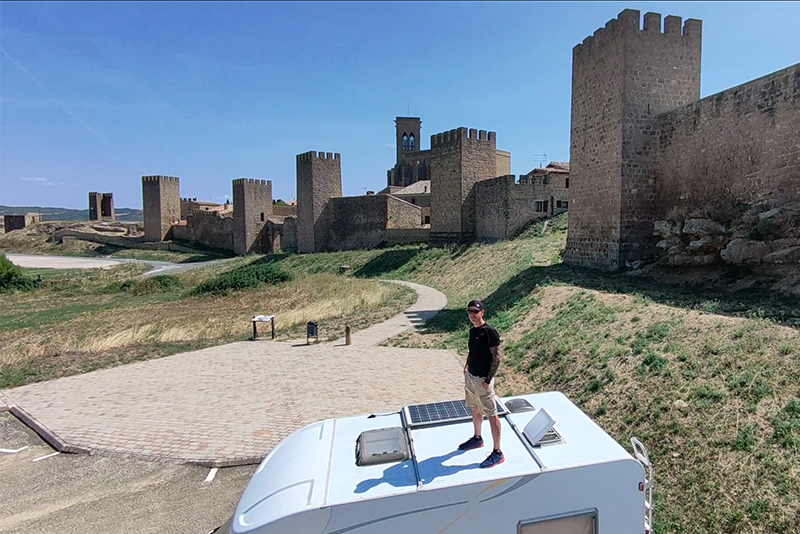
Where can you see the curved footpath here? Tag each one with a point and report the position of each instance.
(230, 405)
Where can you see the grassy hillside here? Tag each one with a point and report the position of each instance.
(705, 373)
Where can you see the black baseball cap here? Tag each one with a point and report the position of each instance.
(476, 305)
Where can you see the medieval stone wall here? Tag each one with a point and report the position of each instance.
(18, 222)
(401, 214)
(505, 207)
(289, 235)
(503, 163)
(349, 223)
(738, 146)
(284, 211)
(161, 204)
(209, 229)
(319, 179)
(406, 236)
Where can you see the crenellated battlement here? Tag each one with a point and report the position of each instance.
(307, 156)
(256, 181)
(189, 199)
(159, 178)
(629, 22)
(457, 135)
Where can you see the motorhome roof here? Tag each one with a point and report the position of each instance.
(316, 466)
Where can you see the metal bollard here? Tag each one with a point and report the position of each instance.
(347, 339)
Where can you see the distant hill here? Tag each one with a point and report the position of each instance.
(66, 214)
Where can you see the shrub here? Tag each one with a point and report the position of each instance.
(11, 277)
(245, 277)
(145, 286)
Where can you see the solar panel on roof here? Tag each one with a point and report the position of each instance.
(439, 412)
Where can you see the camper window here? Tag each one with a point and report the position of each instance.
(581, 523)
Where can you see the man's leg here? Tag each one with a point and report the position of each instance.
(477, 421)
(494, 422)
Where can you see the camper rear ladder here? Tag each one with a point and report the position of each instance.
(640, 451)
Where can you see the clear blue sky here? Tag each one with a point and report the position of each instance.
(95, 95)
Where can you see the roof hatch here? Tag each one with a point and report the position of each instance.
(381, 446)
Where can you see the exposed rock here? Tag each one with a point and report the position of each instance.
(784, 256)
(703, 227)
(787, 242)
(741, 251)
(665, 229)
(688, 259)
(769, 214)
(706, 244)
(680, 404)
(671, 241)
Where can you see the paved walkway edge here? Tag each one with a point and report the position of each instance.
(45, 433)
(5, 404)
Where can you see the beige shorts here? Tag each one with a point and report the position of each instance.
(477, 396)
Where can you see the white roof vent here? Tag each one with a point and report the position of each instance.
(381, 445)
(538, 426)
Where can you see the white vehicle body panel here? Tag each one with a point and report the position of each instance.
(310, 483)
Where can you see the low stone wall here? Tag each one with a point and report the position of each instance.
(407, 236)
(121, 241)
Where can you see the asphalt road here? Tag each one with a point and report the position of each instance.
(37, 261)
(81, 494)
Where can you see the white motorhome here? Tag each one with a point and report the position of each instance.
(402, 472)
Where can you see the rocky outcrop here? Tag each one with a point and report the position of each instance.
(758, 237)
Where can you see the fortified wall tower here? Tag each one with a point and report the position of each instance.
(101, 206)
(459, 159)
(252, 205)
(161, 203)
(622, 77)
(319, 178)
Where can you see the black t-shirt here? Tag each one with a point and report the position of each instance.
(481, 339)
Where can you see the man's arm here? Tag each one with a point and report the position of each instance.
(495, 362)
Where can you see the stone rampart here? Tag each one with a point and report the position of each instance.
(505, 207)
(209, 229)
(738, 146)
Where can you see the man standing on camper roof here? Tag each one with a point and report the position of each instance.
(479, 372)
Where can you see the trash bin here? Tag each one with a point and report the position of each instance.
(312, 330)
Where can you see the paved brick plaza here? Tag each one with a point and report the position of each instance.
(232, 404)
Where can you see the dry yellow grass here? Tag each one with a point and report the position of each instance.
(329, 299)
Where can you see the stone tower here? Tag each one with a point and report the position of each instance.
(161, 203)
(319, 178)
(101, 206)
(252, 205)
(459, 159)
(622, 77)
(408, 131)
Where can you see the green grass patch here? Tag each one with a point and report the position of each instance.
(245, 277)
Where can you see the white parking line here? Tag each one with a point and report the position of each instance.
(211, 474)
(13, 451)
(45, 456)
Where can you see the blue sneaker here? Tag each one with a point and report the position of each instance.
(475, 442)
(493, 459)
